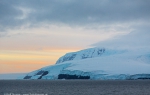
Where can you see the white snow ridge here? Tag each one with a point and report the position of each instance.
(98, 63)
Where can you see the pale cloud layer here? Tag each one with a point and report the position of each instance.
(137, 39)
(55, 37)
(74, 23)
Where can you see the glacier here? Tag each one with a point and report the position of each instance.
(98, 63)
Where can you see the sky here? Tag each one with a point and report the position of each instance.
(35, 33)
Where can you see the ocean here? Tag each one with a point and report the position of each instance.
(74, 87)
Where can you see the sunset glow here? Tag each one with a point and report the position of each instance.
(13, 61)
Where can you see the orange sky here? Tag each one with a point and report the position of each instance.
(14, 61)
(27, 49)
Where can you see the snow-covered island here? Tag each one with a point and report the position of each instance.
(98, 63)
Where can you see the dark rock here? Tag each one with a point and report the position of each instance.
(40, 72)
(27, 77)
(44, 73)
(67, 76)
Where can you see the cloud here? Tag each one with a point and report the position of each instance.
(72, 12)
(54, 36)
(100, 19)
(138, 38)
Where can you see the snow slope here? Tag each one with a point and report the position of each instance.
(98, 63)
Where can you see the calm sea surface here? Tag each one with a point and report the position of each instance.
(74, 87)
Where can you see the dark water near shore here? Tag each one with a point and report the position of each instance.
(74, 87)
